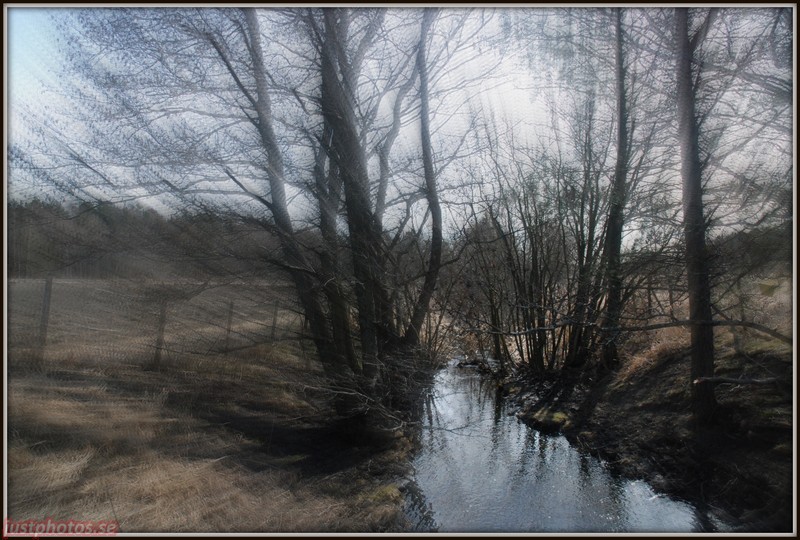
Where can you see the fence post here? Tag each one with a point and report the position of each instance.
(671, 301)
(45, 319)
(302, 321)
(738, 345)
(162, 323)
(228, 328)
(274, 322)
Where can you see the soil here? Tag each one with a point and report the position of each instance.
(739, 468)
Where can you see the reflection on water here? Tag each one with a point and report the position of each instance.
(480, 469)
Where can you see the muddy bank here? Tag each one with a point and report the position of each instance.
(640, 422)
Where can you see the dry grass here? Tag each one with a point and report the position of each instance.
(643, 424)
(641, 356)
(88, 452)
(217, 442)
(130, 469)
(767, 301)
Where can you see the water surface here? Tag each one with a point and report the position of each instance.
(480, 469)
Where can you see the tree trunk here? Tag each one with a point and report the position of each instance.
(585, 229)
(366, 240)
(328, 195)
(697, 267)
(613, 245)
(431, 191)
(300, 270)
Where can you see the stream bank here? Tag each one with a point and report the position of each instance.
(477, 468)
(639, 421)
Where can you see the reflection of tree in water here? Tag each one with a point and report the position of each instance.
(585, 470)
(703, 522)
(480, 469)
(617, 502)
(417, 510)
(524, 460)
(499, 400)
(440, 452)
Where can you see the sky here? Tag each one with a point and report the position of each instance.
(32, 48)
(32, 63)
(35, 61)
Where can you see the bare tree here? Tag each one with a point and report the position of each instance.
(296, 134)
(697, 267)
(613, 241)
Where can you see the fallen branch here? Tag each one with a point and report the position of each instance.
(744, 324)
(755, 326)
(731, 380)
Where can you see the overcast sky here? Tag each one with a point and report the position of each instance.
(35, 61)
(32, 63)
(36, 74)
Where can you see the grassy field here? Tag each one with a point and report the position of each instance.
(232, 433)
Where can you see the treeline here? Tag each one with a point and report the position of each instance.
(510, 280)
(101, 241)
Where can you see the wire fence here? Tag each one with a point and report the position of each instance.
(126, 321)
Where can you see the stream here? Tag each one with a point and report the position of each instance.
(479, 469)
